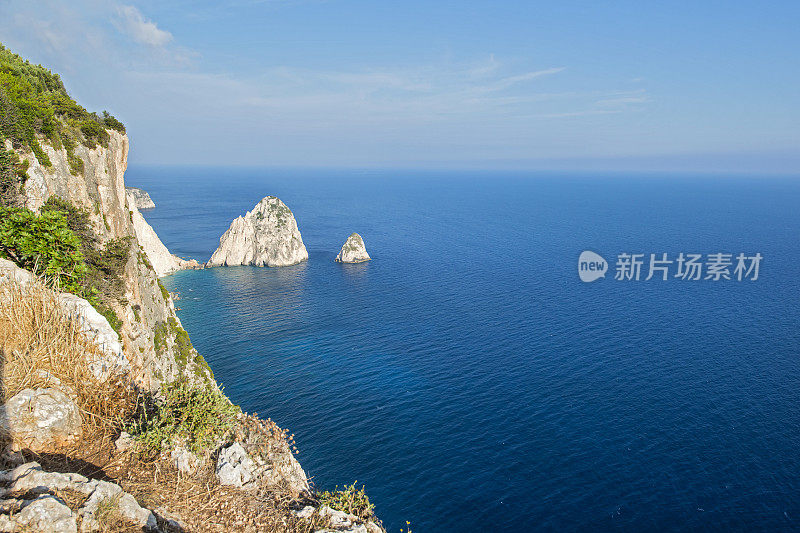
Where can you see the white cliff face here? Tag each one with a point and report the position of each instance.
(265, 236)
(100, 191)
(159, 256)
(140, 198)
(353, 250)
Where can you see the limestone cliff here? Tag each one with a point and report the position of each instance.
(149, 323)
(265, 236)
(353, 250)
(159, 256)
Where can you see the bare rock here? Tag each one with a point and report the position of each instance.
(97, 329)
(235, 467)
(185, 461)
(139, 197)
(265, 236)
(159, 256)
(46, 514)
(30, 478)
(353, 250)
(9, 272)
(42, 420)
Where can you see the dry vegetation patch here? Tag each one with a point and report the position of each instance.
(42, 346)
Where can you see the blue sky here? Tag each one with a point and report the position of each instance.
(502, 84)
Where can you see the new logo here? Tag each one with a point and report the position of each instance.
(591, 266)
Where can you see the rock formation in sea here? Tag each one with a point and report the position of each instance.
(265, 236)
(353, 250)
(141, 198)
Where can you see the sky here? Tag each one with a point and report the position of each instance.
(693, 86)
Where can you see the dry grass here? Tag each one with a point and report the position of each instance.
(39, 341)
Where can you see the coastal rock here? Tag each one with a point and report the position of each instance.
(140, 198)
(353, 250)
(265, 236)
(159, 256)
(46, 514)
(42, 420)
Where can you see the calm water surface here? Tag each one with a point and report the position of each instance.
(467, 376)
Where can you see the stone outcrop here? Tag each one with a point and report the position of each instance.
(265, 236)
(337, 521)
(97, 329)
(235, 467)
(140, 198)
(41, 420)
(48, 512)
(353, 250)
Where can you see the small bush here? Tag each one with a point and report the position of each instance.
(349, 500)
(113, 123)
(194, 414)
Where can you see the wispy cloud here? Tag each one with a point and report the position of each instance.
(131, 21)
(505, 83)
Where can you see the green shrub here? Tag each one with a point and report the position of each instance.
(105, 266)
(113, 123)
(109, 314)
(196, 415)
(43, 244)
(13, 174)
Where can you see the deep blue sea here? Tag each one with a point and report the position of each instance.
(468, 377)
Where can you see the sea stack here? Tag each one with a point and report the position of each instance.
(353, 250)
(140, 198)
(265, 236)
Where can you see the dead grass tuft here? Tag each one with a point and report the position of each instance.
(41, 345)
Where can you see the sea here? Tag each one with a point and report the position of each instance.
(469, 378)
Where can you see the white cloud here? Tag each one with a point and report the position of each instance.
(141, 30)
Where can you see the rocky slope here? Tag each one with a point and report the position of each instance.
(100, 191)
(141, 198)
(353, 250)
(110, 420)
(265, 236)
(253, 458)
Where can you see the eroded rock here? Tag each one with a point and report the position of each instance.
(265, 236)
(139, 197)
(353, 250)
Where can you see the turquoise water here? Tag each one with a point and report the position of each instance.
(468, 377)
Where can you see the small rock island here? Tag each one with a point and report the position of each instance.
(265, 236)
(140, 198)
(353, 250)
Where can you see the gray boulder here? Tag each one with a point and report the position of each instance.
(46, 514)
(41, 419)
